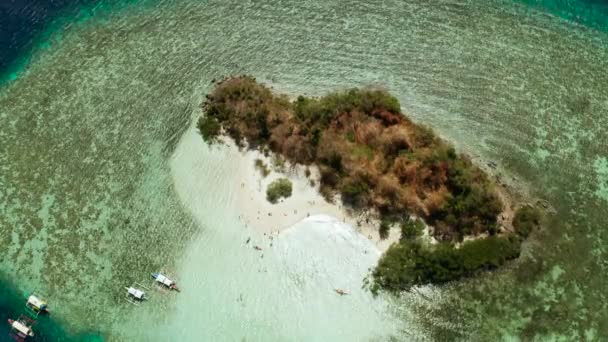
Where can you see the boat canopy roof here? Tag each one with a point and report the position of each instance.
(22, 328)
(36, 302)
(162, 279)
(137, 293)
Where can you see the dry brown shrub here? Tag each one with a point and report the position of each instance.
(241, 107)
(387, 118)
(380, 164)
(405, 169)
(356, 163)
(435, 200)
(411, 201)
(439, 175)
(296, 148)
(277, 117)
(279, 135)
(343, 122)
(329, 144)
(368, 132)
(388, 192)
(365, 172)
(394, 139)
(424, 136)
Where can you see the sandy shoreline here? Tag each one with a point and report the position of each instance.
(305, 201)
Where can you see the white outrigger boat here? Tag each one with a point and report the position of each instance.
(21, 328)
(162, 280)
(136, 295)
(35, 305)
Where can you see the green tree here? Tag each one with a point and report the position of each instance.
(280, 188)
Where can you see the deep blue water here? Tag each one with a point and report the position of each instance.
(24, 22)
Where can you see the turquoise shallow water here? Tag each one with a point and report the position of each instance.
(590, 13)
(88, 203)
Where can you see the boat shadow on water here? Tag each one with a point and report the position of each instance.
(12, 306)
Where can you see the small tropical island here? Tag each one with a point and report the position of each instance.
(376, 161)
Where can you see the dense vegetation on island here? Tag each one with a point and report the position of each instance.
(375, 158)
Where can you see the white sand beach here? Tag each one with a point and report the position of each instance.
(254, 210)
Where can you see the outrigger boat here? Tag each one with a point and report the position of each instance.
(21, 328)
(164, 281)
(135, 295)
(35, 305)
